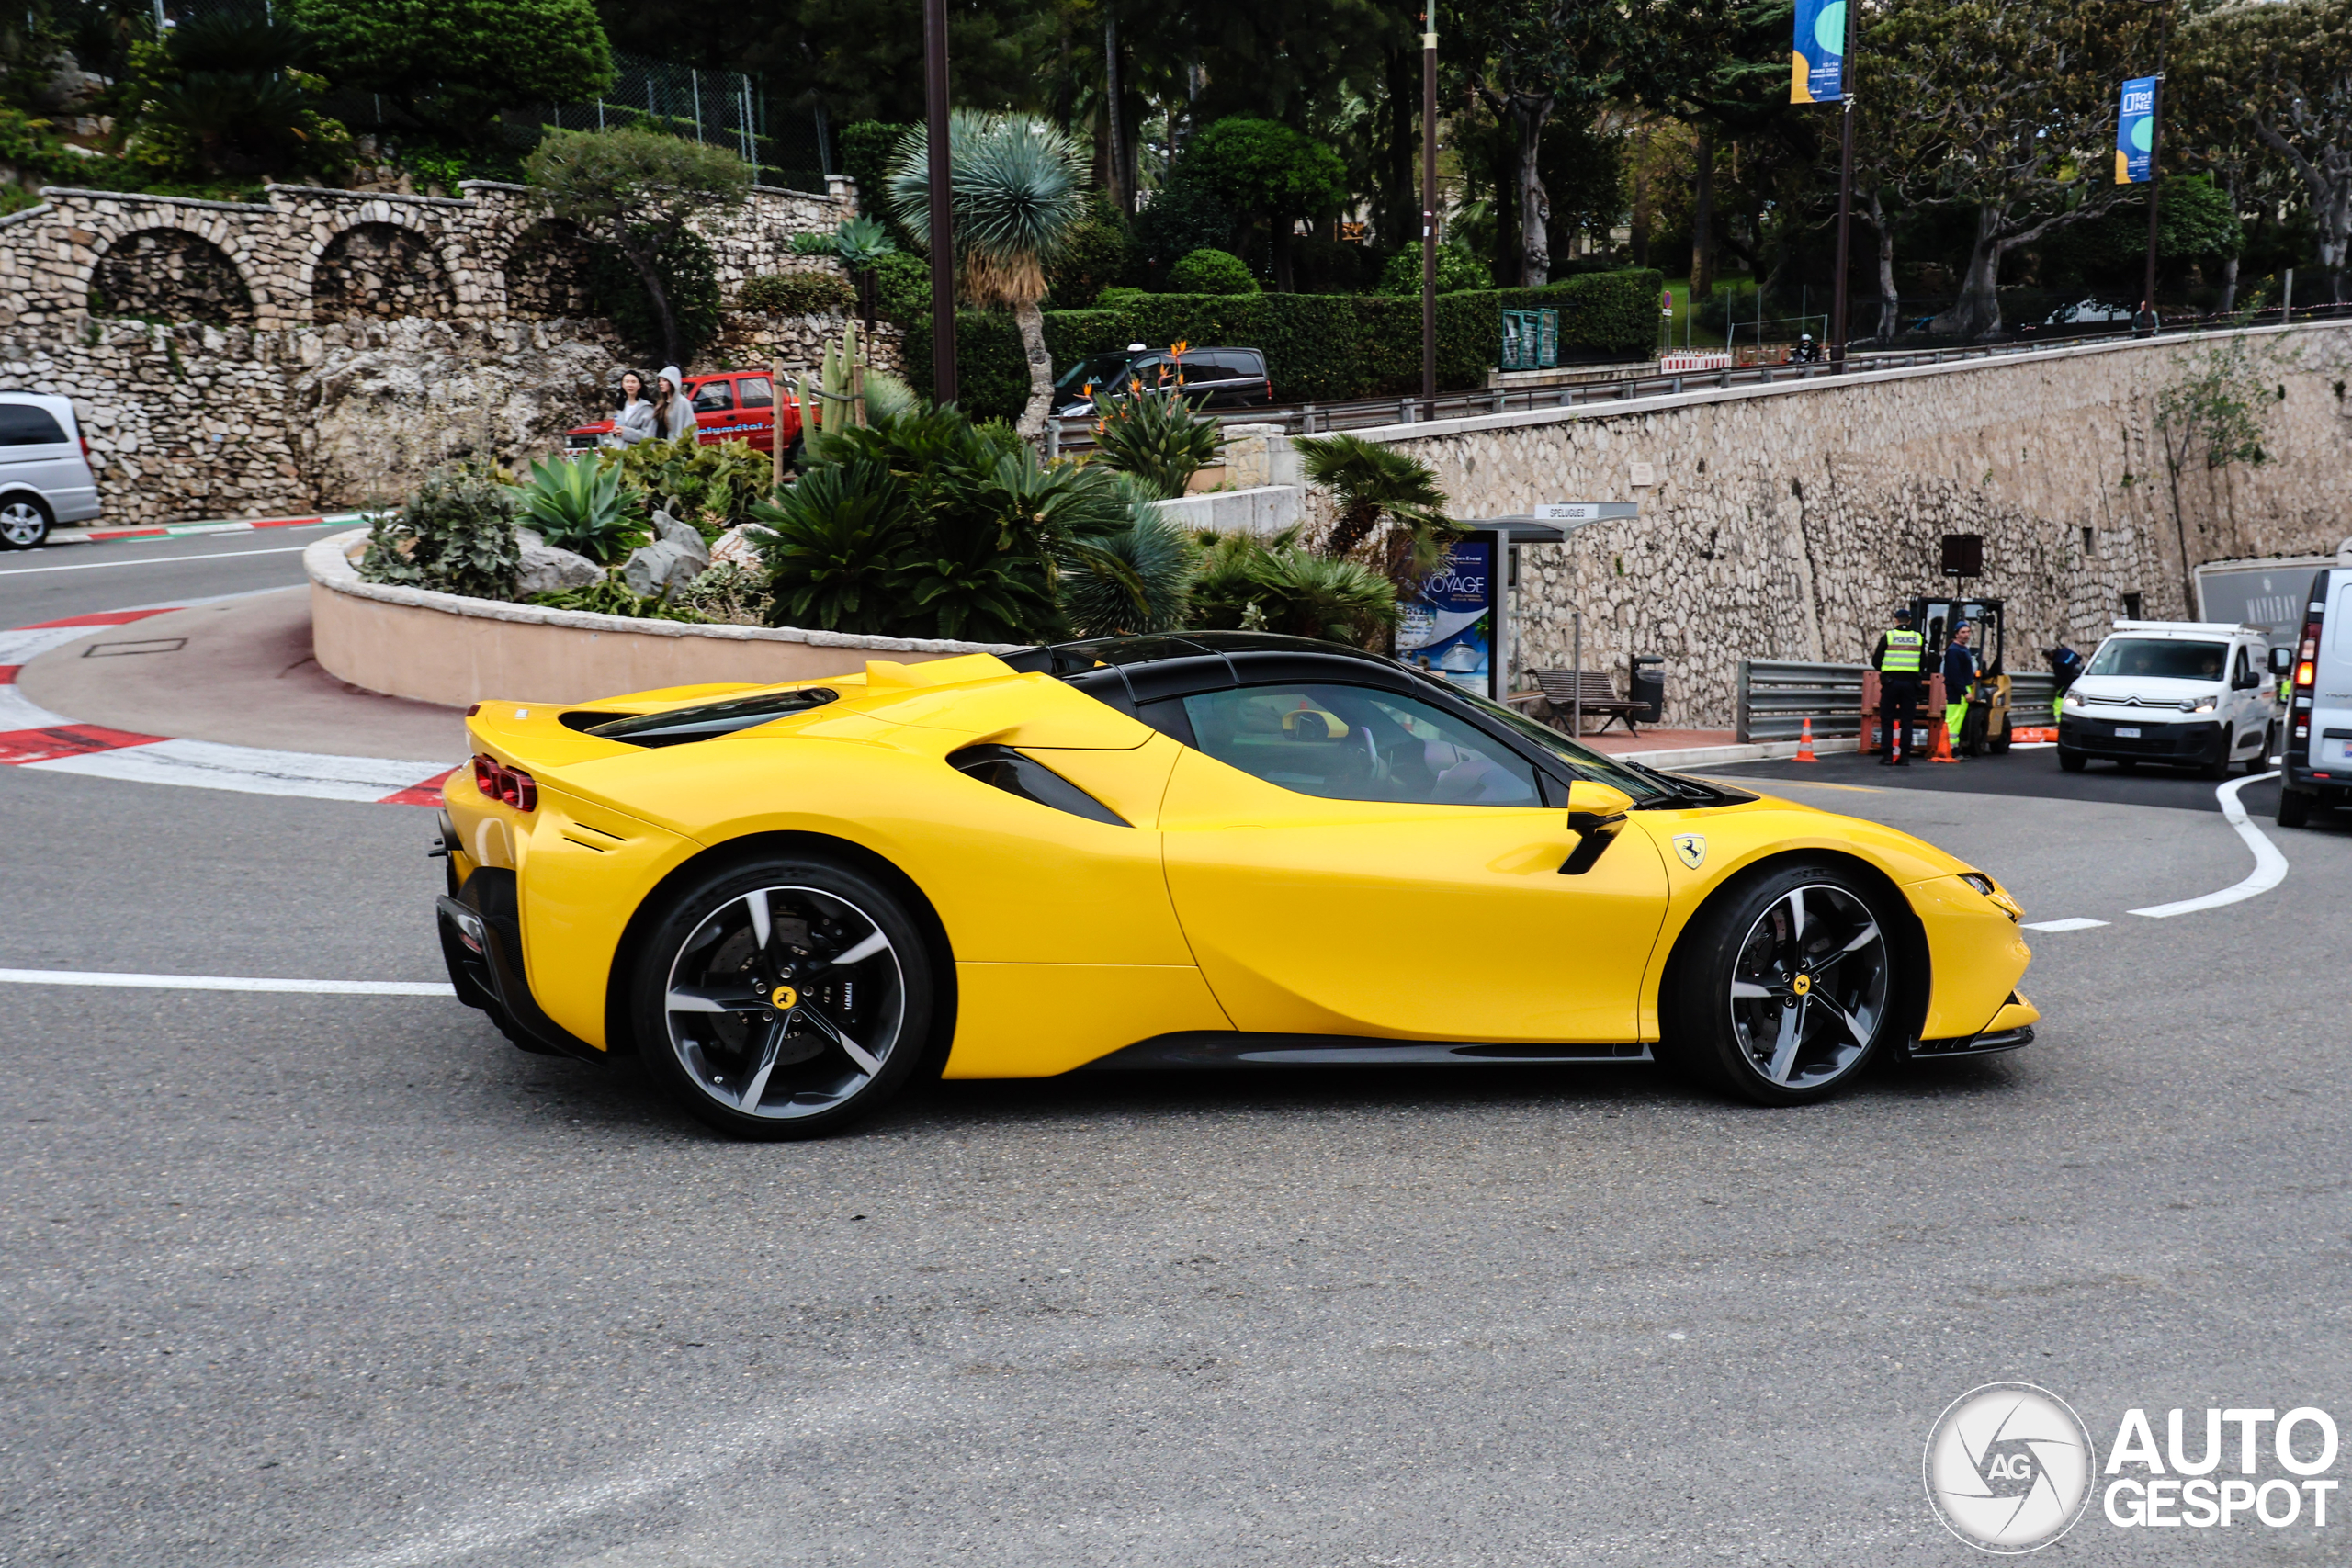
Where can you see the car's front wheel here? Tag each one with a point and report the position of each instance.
(24, 522)
(785, 999)
(1782, 992)
(2072, 760)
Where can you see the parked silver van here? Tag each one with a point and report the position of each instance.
(45, 476)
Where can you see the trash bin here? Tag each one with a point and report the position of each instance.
(1645, 687)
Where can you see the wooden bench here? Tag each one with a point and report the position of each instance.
(1564, 690)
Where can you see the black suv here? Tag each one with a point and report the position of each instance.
(1213, 377)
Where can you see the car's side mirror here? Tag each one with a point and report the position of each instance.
(1597, 815)
(2282, 661)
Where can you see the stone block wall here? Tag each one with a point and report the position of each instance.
(1786, 523)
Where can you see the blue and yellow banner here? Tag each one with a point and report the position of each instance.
(2136, 131)
(1817, 62)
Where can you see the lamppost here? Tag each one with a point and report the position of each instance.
(2155, 151)
(943, 237)
(1429, 204)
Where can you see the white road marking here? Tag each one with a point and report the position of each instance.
(226, 983)
(2269, 866)
(2074, 923)
(249, 770)
(153, 561)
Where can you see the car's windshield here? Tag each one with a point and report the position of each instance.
(1101, 369)
(1597, 766)
(2160, 659)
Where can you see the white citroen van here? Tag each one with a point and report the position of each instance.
(2185, 694)
(2316, 768)
(45, 474)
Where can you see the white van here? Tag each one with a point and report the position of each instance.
(2185, 694)
(45, 474)
(2316, 768)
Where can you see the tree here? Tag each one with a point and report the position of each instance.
(1371, 483)
(457, 62)
(1267, 171)
(2286, 67)
(2014, 102)
(1015, 190)
(1535, 57)
(635, 190)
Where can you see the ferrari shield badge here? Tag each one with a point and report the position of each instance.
(1692, 847)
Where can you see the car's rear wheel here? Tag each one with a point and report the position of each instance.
(1782, 992)
(24, 522)
(2294, 809)
(785, 999)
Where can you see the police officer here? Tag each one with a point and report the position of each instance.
(1897, 660)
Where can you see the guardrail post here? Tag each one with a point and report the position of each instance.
(1405, 411)
(1053, 440)
(1742, 729)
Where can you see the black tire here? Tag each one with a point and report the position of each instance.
(2294, 809)
(25, 522)
(2070, 761)
(2219, 768)
(1742, 1009)
(776, 1016)
(2001, 747)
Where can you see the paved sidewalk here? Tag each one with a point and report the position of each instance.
(102, 534)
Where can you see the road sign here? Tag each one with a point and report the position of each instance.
(1584, 511)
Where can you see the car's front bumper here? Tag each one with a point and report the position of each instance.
(2158, 741)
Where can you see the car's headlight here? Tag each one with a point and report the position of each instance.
(2073, 700)
(2201, 704)
(1993, 893)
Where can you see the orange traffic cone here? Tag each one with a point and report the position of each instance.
(1942, 752)
(1804, 744)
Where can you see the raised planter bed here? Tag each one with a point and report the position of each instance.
(441, 648)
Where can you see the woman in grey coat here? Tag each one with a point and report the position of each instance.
(675, 416)
(636, 418)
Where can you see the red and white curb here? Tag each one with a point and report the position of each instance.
(31, 737)
(180, 530)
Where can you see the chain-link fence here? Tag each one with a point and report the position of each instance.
(785, 147)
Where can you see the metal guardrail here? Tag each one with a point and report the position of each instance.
(1318, 419)
(1777, 695)
(2031, 696)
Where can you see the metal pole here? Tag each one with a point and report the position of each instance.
(1576, 725)
(943, 237)
(694, 85)
(1837, 328)
(775, 424)
(2155, 147)
(1428, 202)
(2287, 300)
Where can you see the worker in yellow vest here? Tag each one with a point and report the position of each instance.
(1897, 660)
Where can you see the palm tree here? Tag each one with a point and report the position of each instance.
(1369, 482)
(1016, 193)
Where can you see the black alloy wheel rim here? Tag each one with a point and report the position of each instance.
(1809, 988)
(784, 1002)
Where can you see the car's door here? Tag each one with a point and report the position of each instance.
(38, 451)
(713, 405)
(1348, 860)
(2331, 715)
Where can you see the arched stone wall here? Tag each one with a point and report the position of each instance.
(167, 274)
(381, 267)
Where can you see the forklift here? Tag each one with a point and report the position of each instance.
(1986, 728)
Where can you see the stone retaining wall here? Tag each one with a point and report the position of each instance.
(1786, 522)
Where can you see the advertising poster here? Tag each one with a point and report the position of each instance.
(1449, 627)
(2135, 130)
(1817, 61)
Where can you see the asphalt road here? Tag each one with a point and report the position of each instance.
(313, 1281)
(51, 583)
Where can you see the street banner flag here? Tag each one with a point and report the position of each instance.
(2136, 131)
(1817, 63)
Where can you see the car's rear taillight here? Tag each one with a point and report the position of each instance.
(86, 446)
(2299, 727)
(512, 785)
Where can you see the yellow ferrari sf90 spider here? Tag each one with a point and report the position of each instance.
(1207, 850)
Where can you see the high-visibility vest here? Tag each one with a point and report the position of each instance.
(1903, 651)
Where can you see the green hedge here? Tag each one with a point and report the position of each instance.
(1319, 347)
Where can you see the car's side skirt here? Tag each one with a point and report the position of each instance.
(1232, 1048)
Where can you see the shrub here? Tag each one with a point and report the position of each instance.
(1457, 269)
(1212, 272)
(1157, 438)
(610, 597)
(832, 546)
(865, 148)
(580, 506)
(797, 294)
(1153, 594)
(690, 278)
(1180, 220)
(711, 486)
(1097, 253)
(454, 535)
(1245, 584)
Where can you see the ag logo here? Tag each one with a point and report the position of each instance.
(1692, 847)
(2009, 1468)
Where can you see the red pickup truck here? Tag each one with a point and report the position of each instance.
(734, 405)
